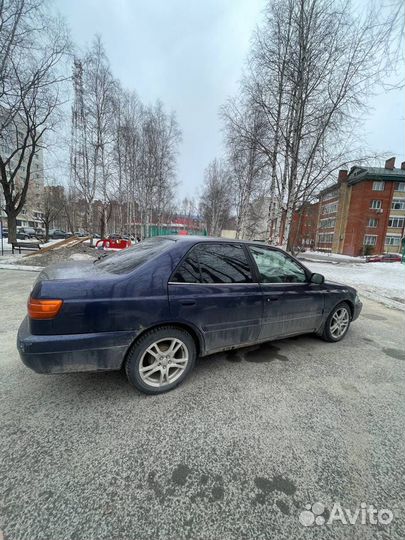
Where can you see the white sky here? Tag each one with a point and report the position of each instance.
(190, 54)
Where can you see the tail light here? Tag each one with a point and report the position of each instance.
(43, 309)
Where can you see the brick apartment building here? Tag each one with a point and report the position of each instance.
(365, 207)
(304, 225)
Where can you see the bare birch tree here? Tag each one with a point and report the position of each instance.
(247, 162)
(53, 205)
(33, 47)
(216, 199)
(310, 71)
(94, 131)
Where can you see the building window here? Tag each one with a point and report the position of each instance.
(399, 186)
(392, 240)
(398, 204)
(325, 238)
(396, 222)
(327, 223)
(378, 186)
(331, 195)
(375, 205)
(372, 222)
(329, 208)
(370, 240)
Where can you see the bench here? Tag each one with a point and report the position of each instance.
(24, 245)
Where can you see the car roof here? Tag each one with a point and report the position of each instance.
(195, 239)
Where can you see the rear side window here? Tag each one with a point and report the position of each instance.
(214, 263)
(128, 259)
(189, 270)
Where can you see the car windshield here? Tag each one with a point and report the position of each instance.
(127, 260)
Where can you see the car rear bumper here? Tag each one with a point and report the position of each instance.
(74, 352)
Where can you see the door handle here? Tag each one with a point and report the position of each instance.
(272, 298)
(187, 302)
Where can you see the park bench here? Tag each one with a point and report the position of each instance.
(24, 245)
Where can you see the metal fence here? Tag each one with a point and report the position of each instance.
(155, 230)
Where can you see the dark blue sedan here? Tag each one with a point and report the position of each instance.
(157, 306)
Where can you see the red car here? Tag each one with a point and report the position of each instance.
(385, 257)
(113, 244)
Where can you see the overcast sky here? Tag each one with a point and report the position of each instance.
(190, 54)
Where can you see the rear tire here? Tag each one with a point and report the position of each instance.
(337, 324)
(160, 360)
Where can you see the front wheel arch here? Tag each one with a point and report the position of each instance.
(351, 307)
(325, 332)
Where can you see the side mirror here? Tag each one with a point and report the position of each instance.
(317, 278)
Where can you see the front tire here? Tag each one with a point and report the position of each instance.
(160, 360)
(338, 323)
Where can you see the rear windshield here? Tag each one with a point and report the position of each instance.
(127, 260)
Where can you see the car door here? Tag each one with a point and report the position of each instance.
(292, 304)
(214, 289)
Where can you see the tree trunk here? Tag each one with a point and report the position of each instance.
(47, 231)
(12, 225)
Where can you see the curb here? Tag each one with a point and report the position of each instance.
(21, 267)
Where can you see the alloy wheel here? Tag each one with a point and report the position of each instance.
(163, 362)
(339, 322)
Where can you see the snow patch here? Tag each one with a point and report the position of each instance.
(383, 282)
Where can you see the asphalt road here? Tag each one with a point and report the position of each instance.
(236, 452)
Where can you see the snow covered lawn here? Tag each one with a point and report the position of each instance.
(384, 282)
(322, 256)
(7, 245)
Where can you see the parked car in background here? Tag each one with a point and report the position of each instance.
(25, 233)
(5, 232)
(39, 232)
(155, 307)
(385, 257)
(57, 234)
(113, 244)
(81, 234)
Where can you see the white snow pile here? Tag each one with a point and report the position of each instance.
(320, 255)
(383, 282)
(81, 257)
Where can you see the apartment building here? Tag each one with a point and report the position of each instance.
(365, 207)
(31, 213)
(304, 225)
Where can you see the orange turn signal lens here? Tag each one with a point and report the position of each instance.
(43, 309)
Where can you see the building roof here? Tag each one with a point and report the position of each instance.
(357, 174)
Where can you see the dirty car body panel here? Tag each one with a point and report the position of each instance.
(218, 298)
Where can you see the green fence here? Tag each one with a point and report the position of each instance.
(155, 230)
